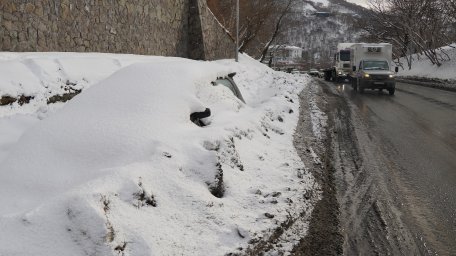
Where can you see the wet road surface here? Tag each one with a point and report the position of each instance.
(395, 158)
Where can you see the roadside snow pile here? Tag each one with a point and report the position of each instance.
(422, 67)
(29, 80)
(120, 169)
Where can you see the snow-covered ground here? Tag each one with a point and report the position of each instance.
(422, 67)
(120, 169)
(42, 75)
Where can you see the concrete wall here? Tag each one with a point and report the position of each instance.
(184, 28)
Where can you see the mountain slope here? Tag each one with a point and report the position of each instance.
(317, 26)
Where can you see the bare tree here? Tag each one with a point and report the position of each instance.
(413, 26)
(253, 16)
(276, 31)
(260, 21)
(451, 7)
(225, 11)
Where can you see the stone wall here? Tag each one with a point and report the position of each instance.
(209, 34)
(151, 27)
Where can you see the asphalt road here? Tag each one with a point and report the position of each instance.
(396, 162)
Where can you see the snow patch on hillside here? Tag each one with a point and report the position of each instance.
(422, 67)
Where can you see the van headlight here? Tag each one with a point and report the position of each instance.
(391, 76)
(366, 75)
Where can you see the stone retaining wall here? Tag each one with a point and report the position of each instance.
(150, 27)
(214, 36)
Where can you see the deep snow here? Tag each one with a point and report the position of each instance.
(422, 67)
(121, 169)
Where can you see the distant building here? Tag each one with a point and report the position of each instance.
(283, 56)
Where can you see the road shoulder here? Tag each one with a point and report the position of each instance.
(447, 85)
(311, 142)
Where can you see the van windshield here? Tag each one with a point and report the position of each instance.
(375, 65)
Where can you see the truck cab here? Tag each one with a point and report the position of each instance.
(371, 67)
(342, 67)
(342, 64)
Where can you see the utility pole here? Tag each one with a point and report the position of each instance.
(237, 30)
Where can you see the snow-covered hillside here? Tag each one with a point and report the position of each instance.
(319, 34)
(121, 170)
(422, 67)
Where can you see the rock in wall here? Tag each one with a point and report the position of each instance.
(151, 27)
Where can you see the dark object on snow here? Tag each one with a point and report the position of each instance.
(268, 215)
(276, 194)
(197, 116)
(21, 100)
(240, 233)
(63, 98)
(6, 100)
(121, 247)
(217, 188)
(144, 198)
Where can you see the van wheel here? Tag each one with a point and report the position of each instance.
(391, 91)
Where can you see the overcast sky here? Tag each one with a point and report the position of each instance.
(360, 2)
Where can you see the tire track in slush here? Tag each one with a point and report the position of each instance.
(371, 214)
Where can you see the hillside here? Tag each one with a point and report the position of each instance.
(425, 73)
(317, 27)
(422, 67)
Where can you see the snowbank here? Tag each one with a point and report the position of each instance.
(42, 75)
(422, 67)
(121, 169)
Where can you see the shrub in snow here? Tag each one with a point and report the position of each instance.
(217, 187)
(143, 198)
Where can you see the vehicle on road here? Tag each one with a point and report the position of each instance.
(371, 67)
(342, 65)
(313, 72)
(321, 73)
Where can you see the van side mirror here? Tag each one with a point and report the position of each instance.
(354, 68)
(396, 69)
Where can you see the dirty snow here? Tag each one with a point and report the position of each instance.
(120, 169)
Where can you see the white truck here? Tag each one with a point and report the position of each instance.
(342, 64)
(371, 67)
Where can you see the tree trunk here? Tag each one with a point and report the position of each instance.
(276, 30)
